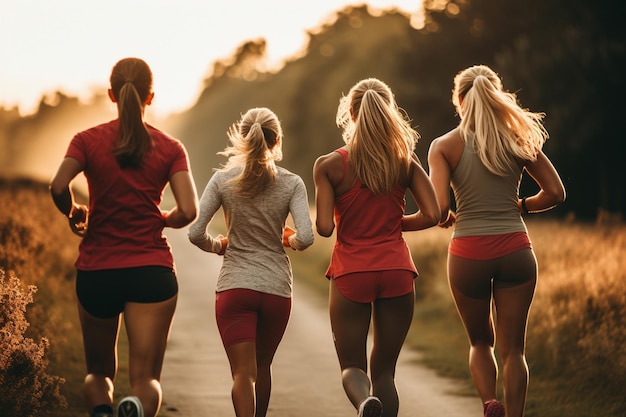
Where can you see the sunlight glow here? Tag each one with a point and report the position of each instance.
(71, 45)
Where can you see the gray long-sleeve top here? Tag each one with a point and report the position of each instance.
(255, 257)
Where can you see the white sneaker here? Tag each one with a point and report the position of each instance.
(130, 407)
(370, 407)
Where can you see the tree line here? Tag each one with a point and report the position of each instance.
(564, 58)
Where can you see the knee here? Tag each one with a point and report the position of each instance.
(484, 340)
(516, 353)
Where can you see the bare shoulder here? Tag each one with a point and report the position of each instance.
(448, 141)
(450, 144)
(328, 161)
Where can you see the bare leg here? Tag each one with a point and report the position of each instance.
(100, 346)
(242, 358)
(392, 319)
(514, 279)
(350, 324)
(512, 307)
(148, 326)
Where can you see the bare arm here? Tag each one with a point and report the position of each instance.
(423, 192)
(324, 197)
(61, 192)
(552, 191)
(186, 196)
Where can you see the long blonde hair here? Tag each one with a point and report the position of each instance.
(502, 130)
(256, 143)
(131, 83)
(378, 134)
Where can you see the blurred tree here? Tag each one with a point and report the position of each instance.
(564, 58)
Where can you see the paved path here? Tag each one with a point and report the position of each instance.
(306, 379)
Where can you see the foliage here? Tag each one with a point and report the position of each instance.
(26, 389)
(577, 324)
(565, 58)
(37, 246)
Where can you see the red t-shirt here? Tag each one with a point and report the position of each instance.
(369, 232)
(125, 223)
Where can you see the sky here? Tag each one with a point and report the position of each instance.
(71, 45)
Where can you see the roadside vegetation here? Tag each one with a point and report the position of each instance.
(576, 333)
(577, 325)
(41, 352)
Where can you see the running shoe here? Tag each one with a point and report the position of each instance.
(101, 414)
(370, 407)
(130, 407)
(494, 408)
(103, 410)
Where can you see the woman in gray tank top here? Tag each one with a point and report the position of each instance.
(490, 255)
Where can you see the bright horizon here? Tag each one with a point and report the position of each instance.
(71, 45)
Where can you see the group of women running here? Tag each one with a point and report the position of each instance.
(125, 267)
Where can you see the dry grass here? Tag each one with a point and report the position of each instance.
(576, 333)
(37, 246)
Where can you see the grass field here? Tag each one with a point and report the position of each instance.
(576, 334)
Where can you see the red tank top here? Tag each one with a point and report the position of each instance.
(369, 231)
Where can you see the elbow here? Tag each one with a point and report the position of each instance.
(308, 241)
(196, 238)
(557, 195)
(324, 230)
(433, 218)
(189, 215)
(57, 189)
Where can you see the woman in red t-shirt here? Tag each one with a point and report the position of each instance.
(125, 265)
(361, 188)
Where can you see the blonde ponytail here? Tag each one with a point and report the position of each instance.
(502, 130)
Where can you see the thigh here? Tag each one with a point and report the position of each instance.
(470, 284)
(148, 327)
(392, 319)
(271, 325)
(99, 342)
(513, 293)
(350, 323)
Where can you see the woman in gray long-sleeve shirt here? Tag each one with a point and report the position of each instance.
(254, 288)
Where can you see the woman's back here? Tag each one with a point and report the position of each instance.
(486, 202)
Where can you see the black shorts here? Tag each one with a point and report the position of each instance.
(104, 293)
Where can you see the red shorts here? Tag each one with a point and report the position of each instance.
(245, 315)
(483, 248)
(366, 287)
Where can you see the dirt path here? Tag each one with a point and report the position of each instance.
(306, 378)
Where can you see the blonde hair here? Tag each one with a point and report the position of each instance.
(131, 83)
(502, 130)
(378, 133)
(256, 143)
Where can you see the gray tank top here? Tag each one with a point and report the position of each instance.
(486, 204)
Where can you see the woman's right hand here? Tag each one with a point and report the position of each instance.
(78, 220)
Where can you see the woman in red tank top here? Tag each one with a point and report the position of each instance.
(360, 188)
